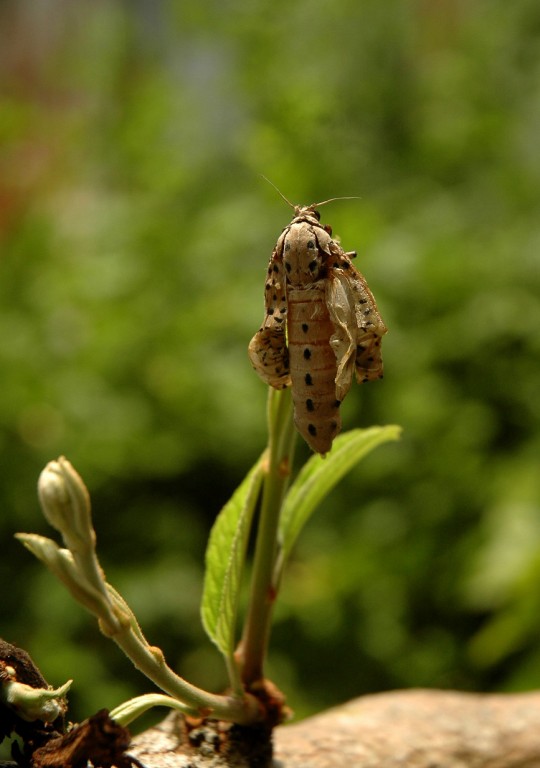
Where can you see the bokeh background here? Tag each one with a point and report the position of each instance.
(134, 233)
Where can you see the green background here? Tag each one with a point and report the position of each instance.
(135, 231)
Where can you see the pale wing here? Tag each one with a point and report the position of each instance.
(268, 348)
(370, 327)
(341, 308)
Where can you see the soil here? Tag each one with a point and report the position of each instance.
(174, 744)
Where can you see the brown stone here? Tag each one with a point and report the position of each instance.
(401, 729)
(418, 729)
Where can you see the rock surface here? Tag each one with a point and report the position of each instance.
(402, 729)
(418, 729)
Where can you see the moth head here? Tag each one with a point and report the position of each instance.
(307, 213)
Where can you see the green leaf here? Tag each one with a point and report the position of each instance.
(126, 713)
(225, 557)
(319, 475)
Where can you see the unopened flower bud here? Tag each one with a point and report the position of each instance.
(66, 504)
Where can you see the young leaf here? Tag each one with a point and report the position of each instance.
(317, 478)
(130, 710)
(225, 556)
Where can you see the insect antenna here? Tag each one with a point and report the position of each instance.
(280, 193)
(333, 199)
(313, 205)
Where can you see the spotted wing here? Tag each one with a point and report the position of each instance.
(268, 348)
(370, 330)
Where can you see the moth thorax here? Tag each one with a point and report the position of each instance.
(301, 256)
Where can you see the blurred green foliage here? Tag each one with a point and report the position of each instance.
(134, 236)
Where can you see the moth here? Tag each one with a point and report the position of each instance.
(321, 326)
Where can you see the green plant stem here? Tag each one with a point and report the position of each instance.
(253, 646)
(150, 661)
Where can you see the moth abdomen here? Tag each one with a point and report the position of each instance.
(312, 366)
(316, 410)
